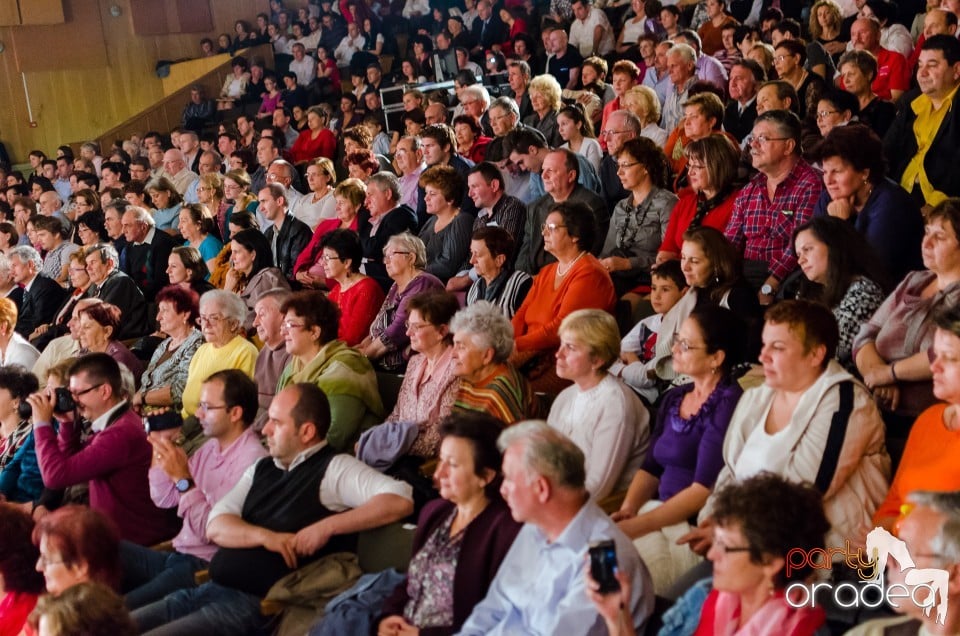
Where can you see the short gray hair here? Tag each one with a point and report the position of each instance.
(630, 119)
(4, 263)
(946, 543)
(547, 452)
(410, 243)
(477, 91)
(231, 305)
(27, 254)
(141, 215)
(386, 181)
(107, 252)
(687, 52)
(507, 104)
(486, 320)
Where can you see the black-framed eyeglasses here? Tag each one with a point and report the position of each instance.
(77, 394)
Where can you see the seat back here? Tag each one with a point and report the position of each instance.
(385, 547)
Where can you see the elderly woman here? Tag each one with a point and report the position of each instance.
(236, 189)
(892, 350)
(310, 331)
(77, 545)
(91, 229)
(14, 348)
(99, 325)
(197, 229)
(320, 203)
(702, 117)
(783, 426)
(471, 142)
(545, 94)
(836, 108)
(933, 440)
(482, 342)
(711, 176)
(382, 218)
(221, 322)
(20, 582)
(576, 281)
(359, 297)
(348, 198)
(599, 413)
(446, 234)
(167, 201)
(361, 164)
(316, 141)
(491, 251)
(858, 191)
(639, 222)
(20, 479)
(643, 102)
(187, 269)
(405, 256)
(461, 538)
(165, 377)
(687, 448)
(842, 272)
(251, 270)
(859, 69)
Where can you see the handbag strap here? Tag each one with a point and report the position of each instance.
(838, 431)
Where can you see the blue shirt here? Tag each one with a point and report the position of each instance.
(540, 588)
(167, 218)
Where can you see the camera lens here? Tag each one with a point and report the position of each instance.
(24, 410)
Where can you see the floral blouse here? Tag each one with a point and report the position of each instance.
(171, 370)
(430, 578)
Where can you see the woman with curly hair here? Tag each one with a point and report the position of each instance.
(545, 95)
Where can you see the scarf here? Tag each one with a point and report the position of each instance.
(338, 370)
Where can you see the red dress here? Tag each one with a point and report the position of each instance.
(306, 148)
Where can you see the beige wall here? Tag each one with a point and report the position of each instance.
(90, 73)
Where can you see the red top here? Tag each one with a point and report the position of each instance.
(311, 252)
(306, 147)
(358, 308)
(479, 149)
(683, 213)
(14, 609)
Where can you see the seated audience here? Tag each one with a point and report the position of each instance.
(20, 582)
(309, 266)
(383, 212)
(686, 454)
(20, 479)
(286, 511)
(167, 200)
(98, 325)
(251, 270)
(320, 203)
(228, 406)
(236, 190)
(540, 586)
(79, 284)
(599, 413)
(187, 269)
(310, 326)
(197, 230)
(112, 286)
(491, 255)
(461, 538)
(273, 357)
(576, 281)
(859, 70)
(359, 297)
(544, 91)
(77, 545)
(14, 348)
(316, 141)
(144, 257)
(52, 235)
(482, 342)
(41, 295)
(406, 259)
(643, 102)
(576, 130)
(446, 234)
(835, 109)
(84, 608)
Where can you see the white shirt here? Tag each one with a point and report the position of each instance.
(305, 70)
(100, 423)
(581, 33)
(19, 351)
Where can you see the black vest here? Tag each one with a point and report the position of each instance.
(282, 501)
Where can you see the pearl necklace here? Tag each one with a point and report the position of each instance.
(570, 266)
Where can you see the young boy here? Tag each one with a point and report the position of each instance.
(636, 362)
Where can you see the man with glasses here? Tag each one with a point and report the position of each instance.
(622, 126)
(144, 258)
(111, 285)
(114, 460)
(778, 199)
(408, 160)
(193, 485)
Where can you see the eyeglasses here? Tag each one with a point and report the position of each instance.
(214, 319)
(327, 259)
(626, 164)
(823, 114)
(607, 133)
(781, 57)
(77, 394)
(416, 326)
(550, 228)
(210, 407)
(726, 549)
(683, 344)
(42, 562)
(288, 325)
(763, 140)
(392, 254)
(499, 117)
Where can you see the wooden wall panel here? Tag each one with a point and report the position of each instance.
(9, 12)
(76, 44)
(41, 12)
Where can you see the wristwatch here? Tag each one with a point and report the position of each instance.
(183, 485)
(767, 289)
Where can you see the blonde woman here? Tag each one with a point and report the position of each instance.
(545, 95)
(826, 19)
(643, 102)
(210, 195)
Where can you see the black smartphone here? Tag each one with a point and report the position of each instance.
(603, 564)
(163, 421)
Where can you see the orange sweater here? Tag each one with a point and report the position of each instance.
(586, 286)
(929, 462)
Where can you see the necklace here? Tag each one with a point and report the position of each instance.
(572, 263)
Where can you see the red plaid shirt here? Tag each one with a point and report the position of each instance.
(761, 229)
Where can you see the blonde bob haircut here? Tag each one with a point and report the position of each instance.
(597, 330)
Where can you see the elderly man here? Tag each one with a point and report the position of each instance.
(193, 486)
(42, 296)
(559, 170)
(590, 32)
(540, 586)
(682, 69)
(302, 65)
(780, 198)
(504, 116)
(287, 234)
(708, 68)
(475, 101)
(114, 460)
(488, 29)
(622, 126)
(274, 520)
(923, 143)
(144, 257)
(931, 532)
(410, 165)
(893, 74)
(175, 168)
(656, 76)
(273, 358)
(111, 285)
(435, 113)
(741, 110)
(52, 205)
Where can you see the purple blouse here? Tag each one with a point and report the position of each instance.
(390, 325)
(688, 451)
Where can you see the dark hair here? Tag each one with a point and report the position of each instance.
(118, 168)
(784, 90)
(238, 390)
(788, 26)
(106, 315)
(442, 134)
(6, 227)
(947, 210)
(18, 554)
(254, 241)
(794, 47)
(813, 323)
(849, 256)
(946, 44)
(347, 245)
(312, 406)
(489, 171)
(787, 121)
(244, 219)
(94, 221)
(467, 120)
(722, 330)
(84, 535)
(447, 180)
(858, 146)
(45, 184)
(498, 240)
(648, 153)
(522, 138)
(670, 270)
(775, 517)
(772, 13)
(197, 214)
(480, 431)
(577, 114)
(192, 260)
(436, 307)
(580, 221)
(50, 224)
(723, 258)
(317, 311)
(184, 301)
(841, 100)
(18, 381)
(754, 67)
